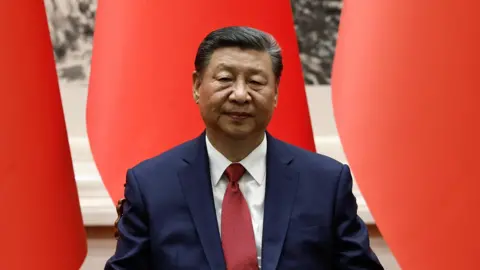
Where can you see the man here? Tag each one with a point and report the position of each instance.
(235, 197)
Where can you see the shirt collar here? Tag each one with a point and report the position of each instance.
(254, 163)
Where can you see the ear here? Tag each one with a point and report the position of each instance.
(276, 96)
(196, 82)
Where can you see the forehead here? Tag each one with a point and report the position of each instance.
(240, 59)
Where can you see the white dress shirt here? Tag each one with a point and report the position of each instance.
(252, 185)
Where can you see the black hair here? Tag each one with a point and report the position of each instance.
(242, 37)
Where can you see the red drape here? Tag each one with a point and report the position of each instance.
(406, 92)
(41, 224)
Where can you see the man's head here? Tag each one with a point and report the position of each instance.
(235, 83)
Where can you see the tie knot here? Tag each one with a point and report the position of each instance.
(234, 172)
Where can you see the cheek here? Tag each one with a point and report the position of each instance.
(265, 103)
(204, 95)
(211, 102)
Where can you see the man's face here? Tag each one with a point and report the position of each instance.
(237, 93)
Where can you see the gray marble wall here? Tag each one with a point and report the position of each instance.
(316, 24)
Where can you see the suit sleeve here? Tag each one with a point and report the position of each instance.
(132, 251)
(352, 245)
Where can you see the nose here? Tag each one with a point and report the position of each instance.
(240, 93)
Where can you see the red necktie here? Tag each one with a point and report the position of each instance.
(238, 240)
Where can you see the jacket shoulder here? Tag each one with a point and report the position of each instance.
(166, 161)
(308, 160)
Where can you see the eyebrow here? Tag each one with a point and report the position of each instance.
(249, 69)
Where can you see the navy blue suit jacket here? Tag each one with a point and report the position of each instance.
(310, 214)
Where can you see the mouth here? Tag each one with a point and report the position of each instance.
(238, 115)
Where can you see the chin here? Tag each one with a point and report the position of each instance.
(238, 133)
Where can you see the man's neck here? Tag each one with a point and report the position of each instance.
(234, 149)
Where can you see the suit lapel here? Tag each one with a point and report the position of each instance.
(279, 198)
(196, 185)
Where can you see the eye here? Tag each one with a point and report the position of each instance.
(224, 79)
(256, 83)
